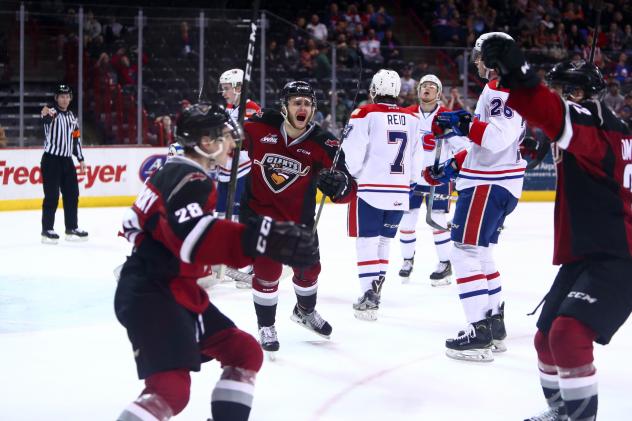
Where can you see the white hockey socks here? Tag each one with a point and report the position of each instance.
(369, 264)
(470, 281)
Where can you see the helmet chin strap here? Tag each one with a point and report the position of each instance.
(207, 155)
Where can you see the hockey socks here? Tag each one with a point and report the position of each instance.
(407, 234)
(441, 238)
(265, 295)
(369, 262)
(231, 399)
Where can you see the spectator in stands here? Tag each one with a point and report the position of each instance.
(322, 64)
(308, 54)
(289, 55)
(367, 16)
(381, 17)
(370, 48)
(626, 40)
(165, 130)
(273, 55)
(455, 101)
(113, 31)
(380, 25)
(299, 32)
(317, 29)
(625, 113)
(333, 16)
(599, 58)
(613, 98)
(356, 31)
(421, 69)
(622, 70)
(615, 37)
(407, 92)
(352, 16)
(186, 46)
(92, 27)
(576, 40)
(390, 47)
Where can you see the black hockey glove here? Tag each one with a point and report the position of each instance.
(536, 150)
(509, 61)
(334, 184)
(286, 242)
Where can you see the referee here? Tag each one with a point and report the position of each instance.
(63, 140)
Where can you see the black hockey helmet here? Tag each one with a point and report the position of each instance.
(62, 88)
(297, 88)
(202, 119)
(570, 75)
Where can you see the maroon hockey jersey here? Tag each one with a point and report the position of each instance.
(282, 182)
(593, 152)
(173, 230)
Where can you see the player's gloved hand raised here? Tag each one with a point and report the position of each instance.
(286, 242)
(452, 122)
(504, 56)
(334, 184)
(443, 174)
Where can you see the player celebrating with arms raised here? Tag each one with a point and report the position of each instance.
(591, 296)
(291, 156)
(489, 180)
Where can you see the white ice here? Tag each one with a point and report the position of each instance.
(64, 356)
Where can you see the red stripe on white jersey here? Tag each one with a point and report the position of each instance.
(470, 278)
(475, 214)
(493, 276)
(352, 218)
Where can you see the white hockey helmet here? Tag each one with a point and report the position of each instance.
(385, 83)
(432, 79)
(478, 45)
(175, 149)
(234, 77)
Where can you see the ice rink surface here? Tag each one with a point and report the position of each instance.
(63, 355)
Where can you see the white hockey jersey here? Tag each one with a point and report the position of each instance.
(450, 146)
(383, 153)
(494, 157)
(223, 175)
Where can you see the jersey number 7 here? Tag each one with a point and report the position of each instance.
(401, 138)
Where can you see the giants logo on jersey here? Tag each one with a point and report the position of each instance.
(279, 172)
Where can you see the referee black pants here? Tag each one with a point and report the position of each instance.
(59, 173)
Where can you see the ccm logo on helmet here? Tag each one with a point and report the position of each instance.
(150, 165)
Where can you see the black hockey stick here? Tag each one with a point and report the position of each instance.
(431, 195)
(345, 132)
(250, 56)
(598, 6)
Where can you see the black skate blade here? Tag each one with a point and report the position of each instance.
(474, 355)
(498, 346)
(441, 282)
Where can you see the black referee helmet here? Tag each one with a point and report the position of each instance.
(62, 88)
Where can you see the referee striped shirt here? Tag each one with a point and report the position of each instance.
(63, 137)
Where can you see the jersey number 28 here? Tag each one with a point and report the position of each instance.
(401, 138)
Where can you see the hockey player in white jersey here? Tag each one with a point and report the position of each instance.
(489, 180)
(429, 94)
(230, 87)
(383, 153)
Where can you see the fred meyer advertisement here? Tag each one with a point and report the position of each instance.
(113, 177)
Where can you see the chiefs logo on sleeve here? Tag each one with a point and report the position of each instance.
(279, 172)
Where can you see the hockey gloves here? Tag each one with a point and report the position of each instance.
(452, 122)
(335, 184)
(504, 56)
(443, 174)
(534, 149)
(286, 242)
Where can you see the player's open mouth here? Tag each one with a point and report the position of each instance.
(301, 117)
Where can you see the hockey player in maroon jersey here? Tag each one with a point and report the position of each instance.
(170, 322)
(591, 296)
(291, 156)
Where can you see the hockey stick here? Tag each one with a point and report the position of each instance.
(436, 196)
(345, 132)
(243, 95)
(598, 5)
(431, 195)
(250, 56)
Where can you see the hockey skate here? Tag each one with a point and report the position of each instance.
(50, 237)
(407, 268)
(497, 323)
(311, 321)
(472, 344)
(442, 274)
(552, 414)
(269, 341)
(367, 305)
(76, 235)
